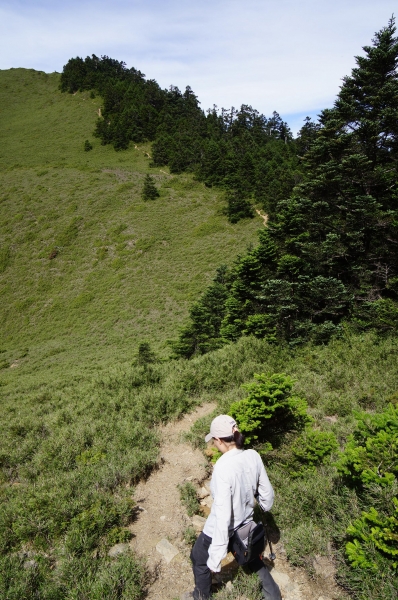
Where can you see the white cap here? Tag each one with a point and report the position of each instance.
(221, 427)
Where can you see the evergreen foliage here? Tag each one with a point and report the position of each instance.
(270, 409)
(341, 220)
(149, 190)
(327, 256)
(335, 239)
(374, 532)
(202, 334)
(238, 207)
(241, 150)
(309, 450)
(369, 462)
(371, 453)
(145, 356)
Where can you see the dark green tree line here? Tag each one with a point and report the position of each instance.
(331, 250)
(253, 157)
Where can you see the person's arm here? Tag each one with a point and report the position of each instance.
(265, 491)
(222, 510)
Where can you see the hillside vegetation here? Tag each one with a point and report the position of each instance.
(97, 272)
(328, 258)
(81, 254)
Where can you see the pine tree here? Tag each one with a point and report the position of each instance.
(149, 190)
(238, 207)
(145, 355)
(202, 333)
(341, 222)
(331, 251)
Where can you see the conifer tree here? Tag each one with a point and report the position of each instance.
(331, 250)
(145, 355)
(149, 190)
(341, 221)
(238, 207)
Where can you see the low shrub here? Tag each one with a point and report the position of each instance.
(189, 536)
(120, 579)
(189, 498)
(118, 535)
(309, 450)
(371, 453)
(86, 528)
(373, 531)
(270, 409)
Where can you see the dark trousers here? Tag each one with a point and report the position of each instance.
(202, 573)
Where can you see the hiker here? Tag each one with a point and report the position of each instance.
(239, 479)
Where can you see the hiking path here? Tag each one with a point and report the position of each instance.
(158, 530)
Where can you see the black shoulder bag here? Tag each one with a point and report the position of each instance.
(251, 546)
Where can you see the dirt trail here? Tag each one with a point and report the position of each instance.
(161, 516)
(263, 216)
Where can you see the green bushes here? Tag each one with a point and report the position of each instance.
(69, 453)
(120, 579)
(369, 463)
(270, 409)
(371, 453)
(86, 529)
(33, 575)
(320, 507)
(373, 531)
(309, 450)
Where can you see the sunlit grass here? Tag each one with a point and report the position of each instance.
(88, 270)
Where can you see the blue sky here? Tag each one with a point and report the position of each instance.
(284, 55)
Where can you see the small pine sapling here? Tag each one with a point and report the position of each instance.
(270, 408)
(149, 191)
(371, 453)
(373, 531)
(145, 355)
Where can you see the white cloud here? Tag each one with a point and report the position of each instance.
(273, 54)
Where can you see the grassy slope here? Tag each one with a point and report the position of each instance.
(70, 450)
(126, 271)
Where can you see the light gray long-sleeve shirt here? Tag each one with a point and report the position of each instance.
(238, 476)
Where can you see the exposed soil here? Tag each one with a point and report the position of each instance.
(263, 216)
(161, 516)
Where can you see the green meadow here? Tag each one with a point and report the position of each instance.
(87, 269)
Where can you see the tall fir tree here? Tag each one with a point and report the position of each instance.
(331, 250)
(342, 220)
